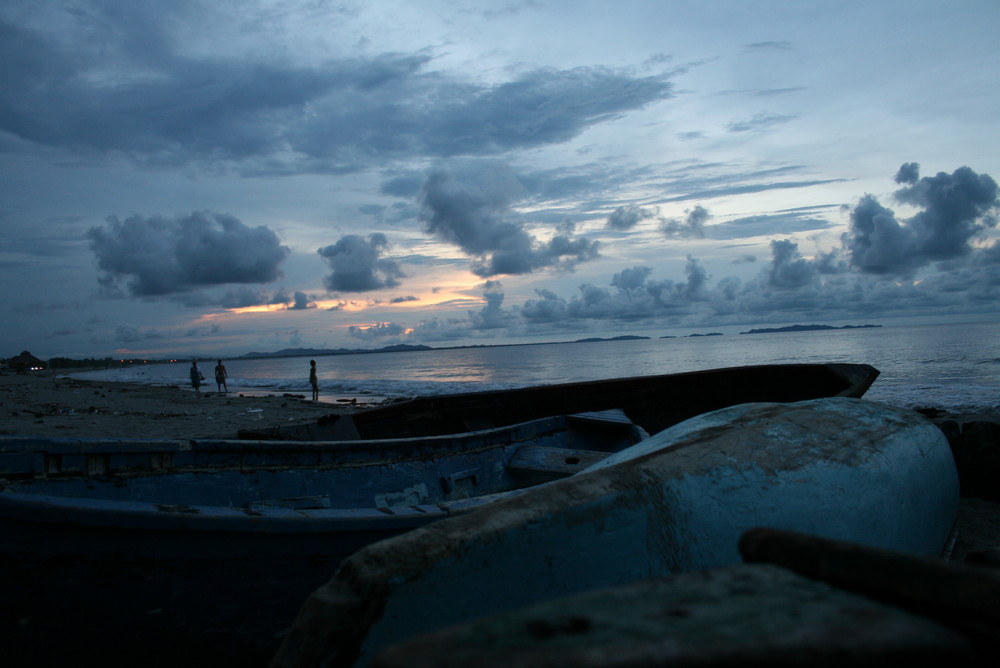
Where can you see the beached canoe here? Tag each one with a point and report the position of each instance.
(208, 548)
(216, 543)
(678, 502)
(652, 402)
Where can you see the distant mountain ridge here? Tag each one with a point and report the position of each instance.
(805, 328)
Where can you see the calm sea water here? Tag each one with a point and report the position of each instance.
(954, 366)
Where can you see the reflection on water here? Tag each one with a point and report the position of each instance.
(941, 365)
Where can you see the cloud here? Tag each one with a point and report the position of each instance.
(123, 86)
(156, 256)
(627, 217)
(635, 297)
(786, 222)
(957, 208)
(243, 297)
(548, 308)
(133, 334)
(380, 330)
(475, 215)
(761, 121)
(357, 265)
(909, 172)
(301, 301)
(767, 46)
(693, 225)
(789, 269)
(492, 315)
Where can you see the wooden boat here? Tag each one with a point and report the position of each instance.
(210, 547)
(652, 402)
(216, 543)
(678, 502)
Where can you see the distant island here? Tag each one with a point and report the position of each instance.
(614, 338)
(60, 362)
(805, 328)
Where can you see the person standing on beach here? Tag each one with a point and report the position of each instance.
(196, 376)
(314, 380)
(220, 377)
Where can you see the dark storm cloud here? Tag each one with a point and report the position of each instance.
(475, 215)
(957, 209)
(160, 256)
(357, 265)
(124, 87)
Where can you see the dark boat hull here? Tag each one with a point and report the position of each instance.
(652, 402)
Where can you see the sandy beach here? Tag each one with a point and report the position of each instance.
(48, 405)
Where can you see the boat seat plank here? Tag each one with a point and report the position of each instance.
(561, 462)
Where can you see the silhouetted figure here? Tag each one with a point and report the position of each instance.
(196, 376)
(313, 380)
(220, 376)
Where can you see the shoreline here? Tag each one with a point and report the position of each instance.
(58, 404)
(49, 405)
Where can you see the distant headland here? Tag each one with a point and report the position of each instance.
(805, 328)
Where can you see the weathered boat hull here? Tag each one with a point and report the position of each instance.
(205, 550)
(652, 402)
(225, 575)
(678, 502)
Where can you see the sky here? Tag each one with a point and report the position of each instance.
(218, 177)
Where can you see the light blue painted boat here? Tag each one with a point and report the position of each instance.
(678, 502)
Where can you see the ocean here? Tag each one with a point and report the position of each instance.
(955, 367)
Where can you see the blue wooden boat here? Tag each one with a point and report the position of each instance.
(214, 544)
(678, 502)
(171, 541)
